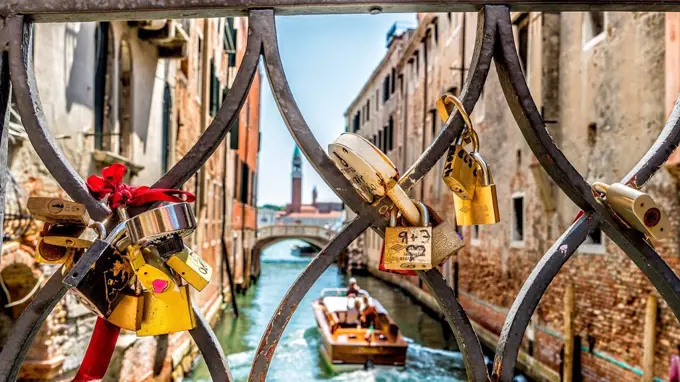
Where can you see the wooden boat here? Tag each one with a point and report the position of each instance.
(346, 346)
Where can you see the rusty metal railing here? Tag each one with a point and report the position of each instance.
(494, 42)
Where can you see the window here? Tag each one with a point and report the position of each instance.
(386, 89)
(393, 80)
(125, 101)
(390, 134)
(417, 55)
(594, 243)
(380, 140)
(368, 110)
(436, 31)
(374, 140)
(592, 28)
(377, 97)
(233, 138)
(474, 235)
(518, 218)
(245, 177)
(214, 89)
(433, 122)
(522, 25)
(592, 134)
(356, 124)
(198, 82)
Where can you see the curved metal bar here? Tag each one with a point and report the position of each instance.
(28, 324)
(637, 249)
(221, 125)
(33, 119)
(467, 340)
(297, 291)
(210, 348)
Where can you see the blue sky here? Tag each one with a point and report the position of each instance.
(327, 61)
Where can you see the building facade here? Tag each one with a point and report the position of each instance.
(140, 93)
(605, 83)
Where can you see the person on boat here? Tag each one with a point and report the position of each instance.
(353, 289)
(369, 314)
(354, 314)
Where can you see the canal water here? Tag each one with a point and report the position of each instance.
(432, 354)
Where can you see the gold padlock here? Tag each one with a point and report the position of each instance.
(460, 172)
(408, 248)
(58, 243)
(151, 271)
(128, 313)
(191, 267)
(446, 241)
(635, 208)
(57, 211)
(167, 313)
(483, 208)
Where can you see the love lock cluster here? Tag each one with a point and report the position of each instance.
(417, 238)
(141, 282)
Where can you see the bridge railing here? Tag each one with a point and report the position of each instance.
(295, 230)
(494, 43)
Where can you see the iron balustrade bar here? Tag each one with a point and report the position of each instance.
(93, 10)
(494, 40)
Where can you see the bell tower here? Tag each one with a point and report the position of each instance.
(296, 176)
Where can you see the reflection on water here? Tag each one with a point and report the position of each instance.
(431, 352)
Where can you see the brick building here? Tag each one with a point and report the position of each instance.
(140, 93)
(605, 83)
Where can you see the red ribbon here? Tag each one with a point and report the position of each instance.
(111, 184)
(99, 352)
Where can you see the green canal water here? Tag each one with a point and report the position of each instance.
(432, 353)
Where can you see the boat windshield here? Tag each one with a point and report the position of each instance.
(339, 292)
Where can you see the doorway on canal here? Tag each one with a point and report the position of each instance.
(432, 353)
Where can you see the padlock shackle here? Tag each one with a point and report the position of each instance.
(404, 203)
(483, 166)
(423, 220)
(600, 187)
(450, 99)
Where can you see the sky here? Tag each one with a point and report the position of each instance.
(327, 60)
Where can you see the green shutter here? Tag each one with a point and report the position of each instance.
(233, 144)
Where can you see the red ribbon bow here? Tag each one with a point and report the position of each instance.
(111, 184)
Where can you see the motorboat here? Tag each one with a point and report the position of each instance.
(345, 343)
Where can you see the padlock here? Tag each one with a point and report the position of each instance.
(167, 313)
(409, 247)
(151, 271)
(446, 241)
(483, 208)
(461, 172)
(57, 211)
(371, 172)
(128, 313)
(65, 236)
(101, 289)
(159, 224)
(635, 208)
(186, 264)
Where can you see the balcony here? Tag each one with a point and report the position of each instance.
(168, 35)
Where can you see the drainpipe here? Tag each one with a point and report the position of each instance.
(245, 204)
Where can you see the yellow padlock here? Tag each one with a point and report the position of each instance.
(483, 208)
(151, 272)
(191, 267)
(128, 313)
(167, 313)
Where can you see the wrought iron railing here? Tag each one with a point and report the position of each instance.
(494, 43)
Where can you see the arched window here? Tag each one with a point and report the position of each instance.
(125, 101)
